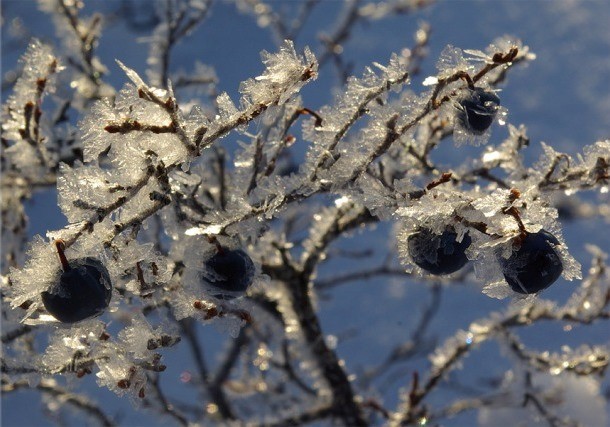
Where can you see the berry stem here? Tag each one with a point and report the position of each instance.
(446, 177)
(215, 242)
(318, 118)
(480, 226)
(60, 246)
(514, 212)
(466, 77)
(418, 194)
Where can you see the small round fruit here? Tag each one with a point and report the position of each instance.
(478, 110)
(438, 254)
(83, 291)
(534, 265)
(229, 271)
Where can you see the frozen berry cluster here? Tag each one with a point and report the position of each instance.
(533, 265)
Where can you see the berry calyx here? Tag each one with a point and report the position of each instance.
(230, 272)
(477, 110)
(534, 265)
(438, 253)
(83, 290)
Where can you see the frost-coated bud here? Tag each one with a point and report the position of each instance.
(83, 291)
(478, 110)
(438, 254)
(534, 265)
(230, 272)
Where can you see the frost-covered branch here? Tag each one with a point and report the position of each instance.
(82, 38)
(189, 209)
(179, 19)
(452, 352)
(344, 405)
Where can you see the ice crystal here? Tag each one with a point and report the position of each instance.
(285, 73)
(121, 376)
(75, 348)
(92, 187)
(444, 356)
(452, 60)
(158, 192)
(40, 271)
(339, 118)
(21, 113)
(142, 270)
(535, 215)
(506, 155)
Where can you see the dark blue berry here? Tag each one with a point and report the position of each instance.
(287, 169)
(478, 110)
(438, 253)
(229, 271)
(534, 264)
(83, 291)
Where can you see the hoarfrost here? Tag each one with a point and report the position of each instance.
(79, 37)
(535, 214)
(338, 118)
(39, 62)
(452, 60)
(226, 107)
(132, 75)
(597, 160)
(369, 151)
(379, 200)
(94, 140)
(41, 270)
(285, 73)
(443, 358)
(81, 187)
(141, 339)
(590, 297)
(120, 375)
(507, 155)
(436, 210)
(566, 398)
(128, 133)
(142, 270)
(21, 114)
(73, 348)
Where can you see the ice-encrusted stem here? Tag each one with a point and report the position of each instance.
(344, 404)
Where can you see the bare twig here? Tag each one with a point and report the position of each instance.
(49, 387)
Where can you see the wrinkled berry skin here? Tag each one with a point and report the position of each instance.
(535, 265)
(83, 291)
(231, 271)
(438, 254)
(478, 110)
